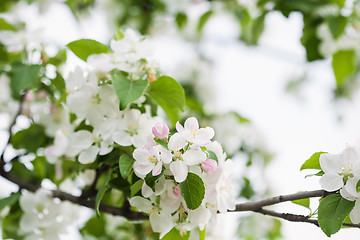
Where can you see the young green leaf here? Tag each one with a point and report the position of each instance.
(104, 186)
(203, 20)
(125, 165)
(128, 90)
(136, 187)
(337, 25)
(344, 64)
(83, 48)
(181, 20)
(333, 210)
(23, 77)
(192, 190)
(302, 202)
(30, 139)
(5, 26)
(202, 234)
(170, 95)
(312, 162)
(9, 200)
(174, 234)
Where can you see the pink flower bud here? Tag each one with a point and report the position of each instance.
(177, 191)
(42, 94)
(209, 166)
(29, 96)
(160, 130)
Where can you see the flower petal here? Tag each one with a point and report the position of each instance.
(81, 139)
(180, 170)
(89, 155)
(141, 203)
(330, 162)
(192, 157)
(355, 213)
(157, 169)
(177, 142)
(191, 124)
(331, 181)
(141, 170)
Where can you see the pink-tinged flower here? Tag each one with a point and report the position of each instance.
(161, 130)
(177, 191)
(209, 166)
(193, 134)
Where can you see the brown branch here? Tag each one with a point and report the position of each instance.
(252, 206)
(297, 218)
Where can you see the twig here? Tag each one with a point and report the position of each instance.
(297, 218)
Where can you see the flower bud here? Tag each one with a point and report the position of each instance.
(177, 191)
(209, 166)
(160, 130)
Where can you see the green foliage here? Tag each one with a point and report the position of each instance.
(169, 94)
(247, 191)
(23, 77)
(95, 227)
(125, 165)
(30, 139)
(337, 25)
(174, 234)
(181, 20)
(136, 187)
(59, 58)
(103, 187)
(344, 64)
(152, 180)
(202, 234)
(59, 83)
(310, 39)
(9, 201)
(312, 162)
(333, 210)
(5, 26)
(128, 90)
(192, 190)
(10, 224)
(302, 202)
(203, 20)
(212, 156)
(83, 48)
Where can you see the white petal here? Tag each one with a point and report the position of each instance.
(89, 155)
(141, 155)
(161, 222)
(160, 186)
(192, 157)
(157, 169)
(350, 187)
(204, 136)
(200, 217)
(141, 203)
(81, 139)
(177, 142)
(122, 138)
(331, 181)
(330, 162)
(355, 213)
(146, 191)
(345, 194)
(165, 155)
(350, 155)
(179, 127)
(191, 124)
(180, 170)
(141, 170)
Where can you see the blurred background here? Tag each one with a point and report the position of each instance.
(289, 69)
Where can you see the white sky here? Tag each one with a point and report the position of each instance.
(252, 81)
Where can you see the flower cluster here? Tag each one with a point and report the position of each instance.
(342, 171)
(193, 177)
(44, 218)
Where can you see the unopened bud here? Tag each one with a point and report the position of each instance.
(151, 77)
(177, 191)
(209, 166)
(160, 130)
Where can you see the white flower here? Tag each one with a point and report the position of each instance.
(181, 160)
(193, 134)
(150, 158)
(338, 168)
(133, 129)
(351, 193)
(161, 220)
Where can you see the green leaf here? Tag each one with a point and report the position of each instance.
(5, 26)
(95, 227)
(192, 190)
(247, 190)
(212, 156)
(125, 165)
(358, 186)
(312, 162)
(302, 202)
(128, 90)
(344, 65)
(104, 186)
(9, 201)
(83, 48)
(152, 180)
(59, 58)
(181, 20)
(202, 234)
(174, 234)
(203, 20)
(310, 39)
(59, 83)
(136, 187)
(30, 139)
(333, 210)
(319, 174)
(23, 77)
(170, 95)
(337, 25)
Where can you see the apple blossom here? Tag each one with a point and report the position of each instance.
(193, 134)
(161, 130)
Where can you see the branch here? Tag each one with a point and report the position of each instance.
(252, 206)
(297, 218)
